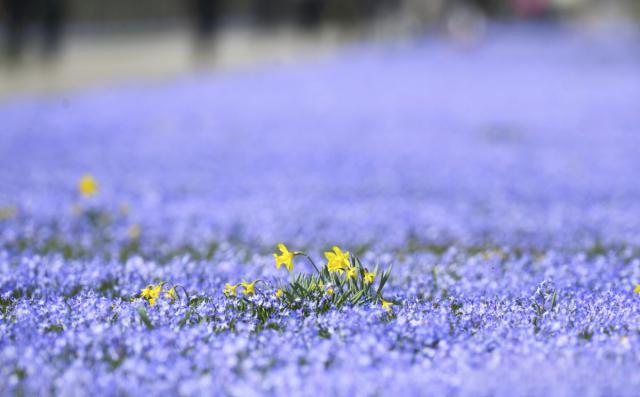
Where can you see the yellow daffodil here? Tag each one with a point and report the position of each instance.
(386, 305)
(249, 288)
(329, 291)
(170, 293)
(230, 290)
(352, 273)
(285, 258)
(151, 293)
(134, 232)
(369, 277)
(279, 293)
(146, 292)
(87, 186)
(636, 290)
(338, 261)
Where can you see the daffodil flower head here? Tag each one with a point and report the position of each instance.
(386, 305)
(230, 290)
(369, 277)
(170, 294)
(249, 288)
(279, 293)
(146, 292)
(352, 272)
(636, 290)
(151, 293)
(285, 258)
(87, 186)
(337, 261)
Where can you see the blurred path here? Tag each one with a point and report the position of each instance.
(100, 60)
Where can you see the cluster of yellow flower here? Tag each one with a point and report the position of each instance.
(247, 288)
(152, 292)
(338, 261)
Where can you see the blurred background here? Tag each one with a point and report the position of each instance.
(51, 46)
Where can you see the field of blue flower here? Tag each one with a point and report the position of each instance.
(497, 186)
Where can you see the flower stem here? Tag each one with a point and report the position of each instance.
(310, 260)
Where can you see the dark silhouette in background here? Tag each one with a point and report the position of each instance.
(206, 17)
(23, 19)
(311, 13)
(268, 13)
(47, 16)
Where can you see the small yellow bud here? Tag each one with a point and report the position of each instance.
(369, 277)
(87, 186)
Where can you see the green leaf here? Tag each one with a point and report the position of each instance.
(383, 280)
(145, 317)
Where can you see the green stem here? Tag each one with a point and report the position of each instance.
(184, 290)
(310, 260)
